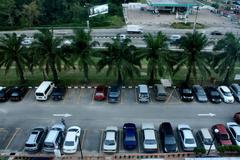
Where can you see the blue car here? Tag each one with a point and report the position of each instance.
(114, 94)
(129, 136)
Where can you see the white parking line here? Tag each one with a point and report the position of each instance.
(101, 140)
(79, 96)
(14, 135)
(83, 137)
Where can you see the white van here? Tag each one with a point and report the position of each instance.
(44, 90)
(143, 93)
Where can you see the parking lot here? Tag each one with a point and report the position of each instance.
(17, 118)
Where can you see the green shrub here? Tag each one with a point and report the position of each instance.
(231, 148)
(199, 150)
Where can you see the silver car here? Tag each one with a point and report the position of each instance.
(235, 89)
(199, 93)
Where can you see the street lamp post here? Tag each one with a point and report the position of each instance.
(195, 21)
(80, 146)
(216, 131)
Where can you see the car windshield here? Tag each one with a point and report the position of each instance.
(207, 141)
(227, 94)
(189, 141)
(30, 145)
(99, 94)
(49, 145)
(143, 95)
(14, 94)
(73, 130)
(187, 91)
(68, 143)
(224, 137)
(238, 138)
(170, 141)
(150, 141)
(109, 142)
(113, 94)
(130, 138)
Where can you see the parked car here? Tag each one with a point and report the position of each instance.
(100, 93)
(5, 93)
(216, 33)
(110, 142)
(175, 39)
(55, 137)
(235, 89)
(225, 94)
(71, 141)
(236, 117)
(205, 139)
(186, 137)
(186, 94)
(35, 140)
(143, 95)
(222, 136)
(17, 93)
(129, 136)
(159, 92)
(234, 131)
(199, 93)
(114, 94)
(213, 95)
(149, 138)
(58, 93)
(167, 137)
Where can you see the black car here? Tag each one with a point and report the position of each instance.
(216, 33)
(114, 94)
(213, 95)
(129, 136)
(17, 93)
(186, 94)
(5, 93)
(36, 138)
(58, 93)
(167, 137)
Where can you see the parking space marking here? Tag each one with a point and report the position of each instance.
(79, 96)
(170, 95)
(135, 95)
(83, 137)
(93, 97)
(121, 97)
(101, 141)
(14, 135)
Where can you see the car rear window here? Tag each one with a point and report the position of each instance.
(150, 141)
(49, 145)
(30, 145)
(189, 141)
(224, 137)
(69, 143)
(39, 94)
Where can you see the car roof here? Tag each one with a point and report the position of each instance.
(43, 86)
(51, 136)
(70, 136)
(147, 126)
(129, 125)
(183, 126)
(167, 128)
(114, 89)
(149, 134)
(33, 136)
(221, 128)
(110, 135)
(225, 88)
(187, 133)
(205, 133)
(144, 88)
(59, 125)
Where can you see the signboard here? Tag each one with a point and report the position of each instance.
(96, 10)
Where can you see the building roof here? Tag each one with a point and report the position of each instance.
(172, 3)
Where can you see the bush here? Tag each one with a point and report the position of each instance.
(231, 148)
(199, 150)
(188, 25)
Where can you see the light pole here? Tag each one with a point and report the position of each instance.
(216, 131)
(195, 21)
(80, 146)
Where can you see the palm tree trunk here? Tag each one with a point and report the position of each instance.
(54, 71)
(226, 79)
(188, 74)
(19, 70)
(119, 78)
(152, 76)
(85, 70)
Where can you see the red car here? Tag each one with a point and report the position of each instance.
(100, 93)
(222, 136)
(237, 117)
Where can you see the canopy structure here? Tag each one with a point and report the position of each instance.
(172, 3)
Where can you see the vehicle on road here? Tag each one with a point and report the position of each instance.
(167, 137)
(17, 93)
(225, 94)
(175, 39)
(71, 141)
(134, 29)
(44, 90)
(114, 94)
(5, 93)
(213, 95)
(121, 37)
(205, 139)
(100, 93)
(216, 33)
(143, 95)
(58, 93)
(149, 138)
(129, 136)
(199, 93)
(186, 137)
(222, 136)
(55, 137)
(236, 117)
(235, 89)
(186, 94)
(110, 142)
(234, 132)
(35, 140)
(159, 92)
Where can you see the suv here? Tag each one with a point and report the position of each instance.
(235, 89)
(54, 137)
(35, 140)
(206, 139)
(159, 92)
(143, 93)
(17, 93)
(5, 93)
(234, 131)
(149, 138)
(222, 136)
(186, 137)
(167, 137)
(129, 136)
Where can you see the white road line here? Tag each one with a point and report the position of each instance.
(14, 135)
(101, 141)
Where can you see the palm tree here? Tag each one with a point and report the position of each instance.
(120, 59)
(156, 54)
(193, 58)
(82, 46)
(47, 53)
(226, 61)
(12, 53)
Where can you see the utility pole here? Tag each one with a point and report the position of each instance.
(195, 21)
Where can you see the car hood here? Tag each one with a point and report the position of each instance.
(170, 148)
(226, 142)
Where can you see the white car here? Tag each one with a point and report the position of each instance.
(71, 142)
(225, 94)
(186, 137)
(206, 139)
(234, 131)
(149, 138)
(110, 140)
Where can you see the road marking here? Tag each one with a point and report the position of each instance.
(170, 96)
(93, 96)
(207, 115)
(62, 115)
(101, 141)
(79, 96)
(83, 138)
(121, 97)
(14, 135)
(3, 130)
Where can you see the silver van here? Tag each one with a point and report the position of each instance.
(143, 93)
(159, 92)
